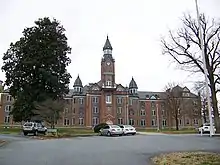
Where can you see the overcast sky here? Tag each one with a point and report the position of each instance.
(134, 28)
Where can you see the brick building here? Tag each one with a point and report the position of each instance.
(110, 102)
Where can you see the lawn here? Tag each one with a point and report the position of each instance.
(62, 132)
(170, 131)
(186, 158)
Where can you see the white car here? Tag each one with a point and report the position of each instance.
(34, 128)
(128, 129)
(111, 130)
(205, 128)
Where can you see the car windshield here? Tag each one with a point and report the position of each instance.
(115, 126)
(28, 124)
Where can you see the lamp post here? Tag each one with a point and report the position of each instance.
(205, 70)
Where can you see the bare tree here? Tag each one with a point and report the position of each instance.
(50, 111)
(185, 48)
(173, 103)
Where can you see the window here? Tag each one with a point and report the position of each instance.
(153, 122)
(95, 99)
(164, 122)
(81, 121)
(187, 121)
(7, 119)
(180, 122)
(81, 100)
(153, 112)
(130, 101)
(119, 110)
(8, 98)
(108, 99)
(66, 121)
(74, 110)
(73, 121)
(196, 121)
(95, 109)
(108, 83)
(119, 100)
(120, 121)
(74, 100)
(95, 121)
(178, 111)
(142, 112)
(131, 122)
(8, 108)
(143, 122)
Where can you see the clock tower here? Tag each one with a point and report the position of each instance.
(108, 67)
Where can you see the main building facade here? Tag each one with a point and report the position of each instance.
(110, 102)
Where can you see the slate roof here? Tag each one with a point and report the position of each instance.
(107, 45)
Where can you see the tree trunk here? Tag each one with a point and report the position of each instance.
(177, 123)
(215, 108)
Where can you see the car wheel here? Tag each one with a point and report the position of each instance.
(25, 133)
(109, 134)
(100, 133)
(134, 134)
(35, 133)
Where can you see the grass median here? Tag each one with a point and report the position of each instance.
(185, 158)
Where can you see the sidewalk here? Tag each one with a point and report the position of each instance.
(151, 133)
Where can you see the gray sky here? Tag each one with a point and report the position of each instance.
(134, 28)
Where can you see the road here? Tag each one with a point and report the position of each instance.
(98, 150)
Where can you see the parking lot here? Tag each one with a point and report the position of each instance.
(99, 150)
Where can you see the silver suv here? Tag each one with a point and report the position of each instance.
(34, 128)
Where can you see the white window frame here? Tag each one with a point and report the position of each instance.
(81, 121)
(197, 122)
(95, 109)
(164, 122)
(8, 98)
(153, 112)
(120, 121)
(95, 120)
(143, 112)
(153, 122)
(7, 109)
(95, 99)
(131, 121)
(108, 83)
(7, 119)
(66, 121)
(108, 99)
(119, 100)
(119, 110)
(143, 122)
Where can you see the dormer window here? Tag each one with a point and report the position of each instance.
(108, 83)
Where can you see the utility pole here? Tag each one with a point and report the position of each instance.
(205, 70)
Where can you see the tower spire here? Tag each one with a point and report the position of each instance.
(107, 44)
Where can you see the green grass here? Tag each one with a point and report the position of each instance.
(13, 130)
(170, 131)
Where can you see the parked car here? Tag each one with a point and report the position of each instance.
(111, 130)
(205, 128)
(128, 129)
(34, 128)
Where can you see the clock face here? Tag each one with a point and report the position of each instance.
(108, 63)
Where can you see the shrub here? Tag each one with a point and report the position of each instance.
(99, 126)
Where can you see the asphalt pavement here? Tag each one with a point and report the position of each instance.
(97, 150)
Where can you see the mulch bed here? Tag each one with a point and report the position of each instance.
(187, 158)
